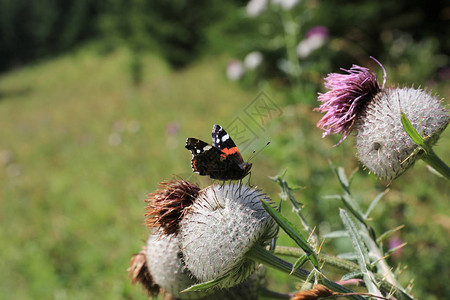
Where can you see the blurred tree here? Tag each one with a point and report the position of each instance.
(181, 30)
(176, 29)
(33, 29)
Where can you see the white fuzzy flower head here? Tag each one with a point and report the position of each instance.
(222, 225)
(255, 7)
(159, 268)
(253, 60)
(166, 268)
(383, 145)
(235, 70)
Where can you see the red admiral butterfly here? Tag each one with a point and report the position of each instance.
(221, 161)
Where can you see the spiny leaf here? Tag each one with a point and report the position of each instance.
(374, 203)
(291, 231)
(388, 233)
(361, 252)
(300, 262)
(392, 250)
(203, 286)
(336, 234)
(352, 275)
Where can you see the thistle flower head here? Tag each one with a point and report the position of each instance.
(382, 144)
(223, 224)
(347, 96)
(164, 262)
(166, 206)
(159, 268)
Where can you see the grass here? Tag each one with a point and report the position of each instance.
(81, 146)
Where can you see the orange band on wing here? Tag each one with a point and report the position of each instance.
(230, 150)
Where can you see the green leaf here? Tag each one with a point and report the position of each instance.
(352, 275)
(341, 177)
(362, 254)
(374, 203)
(292, 232)
(413, 134)
(203, 286)
(353, 208)
(300, 262)
(350, 178)
(357, 240)
(336, 234)
(348, 255)
(392, 250)
(388, 233)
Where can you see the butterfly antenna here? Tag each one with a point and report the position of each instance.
(256, 153)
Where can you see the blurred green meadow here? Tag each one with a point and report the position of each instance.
(87, 132)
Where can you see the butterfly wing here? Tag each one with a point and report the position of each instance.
(205, 158)
(223, 142)
(221, 139)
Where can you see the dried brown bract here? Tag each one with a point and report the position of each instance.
(318, 292)
(167, 205)
(139, 273)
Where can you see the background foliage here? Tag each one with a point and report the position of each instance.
(97, 98)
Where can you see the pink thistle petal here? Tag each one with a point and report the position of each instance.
(347, 96)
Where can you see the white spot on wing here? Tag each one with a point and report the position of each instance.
(225, 137)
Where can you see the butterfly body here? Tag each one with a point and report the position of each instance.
(221, 160)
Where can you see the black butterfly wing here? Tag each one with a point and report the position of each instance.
(206, 159)
(223, 142)
(221, 139)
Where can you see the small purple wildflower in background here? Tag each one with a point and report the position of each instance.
(235, 70)
(172, 128)
(315, 38)
(357, 103)
(394, 242)
(317, 31)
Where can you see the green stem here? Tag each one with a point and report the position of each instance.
(436, 163)
(329, 259)
(347, 266)
(290, 39)
(258, 253)
(272, 295)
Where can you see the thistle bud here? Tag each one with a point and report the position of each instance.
(159, 268)
(164, 262)
(382, 144)
(222, 225)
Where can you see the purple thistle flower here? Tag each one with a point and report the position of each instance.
(357, 103)
(347, 96)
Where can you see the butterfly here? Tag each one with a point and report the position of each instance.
(221, 161)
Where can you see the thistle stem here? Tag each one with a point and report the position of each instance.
(347, 266)
(436, 163)
(260, 254)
